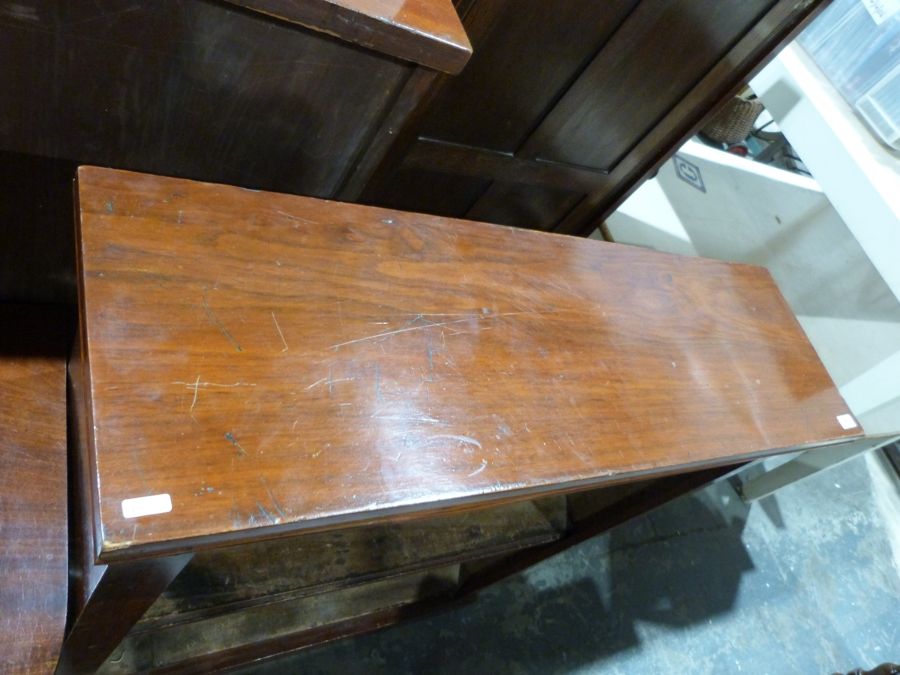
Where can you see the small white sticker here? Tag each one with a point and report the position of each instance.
(881, 10)
(150, 505)
(846, 421)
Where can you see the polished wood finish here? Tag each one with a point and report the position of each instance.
(426, 32)
(565, 107)
(275, 363)
(33, 519)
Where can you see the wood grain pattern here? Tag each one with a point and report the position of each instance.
(426, 32)
(527, 53)
(651, 63)
(197, 89)
(33, 521)
(274, 362)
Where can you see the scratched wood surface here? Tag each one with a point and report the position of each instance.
(427, 32)
(273, 362)
(33, 523)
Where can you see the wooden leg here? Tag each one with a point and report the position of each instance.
(807, 464)
(123, 593)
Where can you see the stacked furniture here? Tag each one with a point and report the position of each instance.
(376, 102)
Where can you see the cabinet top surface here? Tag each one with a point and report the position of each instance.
(261, 362)
(427, 32)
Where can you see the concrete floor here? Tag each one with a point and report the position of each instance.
(806, 581)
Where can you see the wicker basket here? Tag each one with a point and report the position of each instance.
(734, 122)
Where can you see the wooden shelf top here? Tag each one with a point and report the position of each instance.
(266, 363)
(426, 32)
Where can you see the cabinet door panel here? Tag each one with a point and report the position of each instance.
(653, 60)
(523, 205)
(195, 89)
(526, 54)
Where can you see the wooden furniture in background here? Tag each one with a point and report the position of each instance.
(566, 106)
(221, 91)
(426, 32)
(33, 507)
(255, 366)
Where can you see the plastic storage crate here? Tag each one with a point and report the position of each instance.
(861, 58)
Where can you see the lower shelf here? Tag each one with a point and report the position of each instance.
(233, 598)
(233, 606)
(187, 644)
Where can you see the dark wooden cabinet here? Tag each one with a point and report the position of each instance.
(566, 106)
(200, 89)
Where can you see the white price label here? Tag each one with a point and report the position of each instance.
(847, 422)
(150, 505)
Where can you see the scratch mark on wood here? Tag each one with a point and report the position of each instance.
(231, 439)
(280, 334)
(293, 217)
(235, 515)
(315, 384)
(196, 394)
(272, 497)
(378, 383)
(215, 320)
(408, 418)
(407, 330)
(468, 440)
(268, 516)
(481, 468)
(203, 385)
